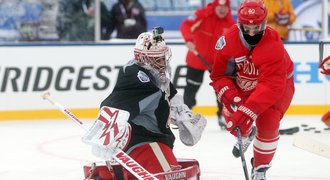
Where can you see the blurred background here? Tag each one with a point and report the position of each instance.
(68, 20)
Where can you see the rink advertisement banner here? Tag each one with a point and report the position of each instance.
(80, 77)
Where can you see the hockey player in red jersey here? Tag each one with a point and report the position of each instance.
(201, 32)
(253, 76)
(325, 69)
(145, 91)
(325, 66)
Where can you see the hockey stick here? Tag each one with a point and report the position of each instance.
(289, 131)
(209, 67)
(120, 156)
(240, 144)
(312, 146)
(321, 50)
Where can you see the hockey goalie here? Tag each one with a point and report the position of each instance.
(135, 119)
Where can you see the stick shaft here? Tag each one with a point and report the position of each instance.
(209, 67)
(66, 112)
(321, 51)
(120, 156)
(240, 143)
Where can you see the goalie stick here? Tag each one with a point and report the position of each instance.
(120, 156)
(312, 146)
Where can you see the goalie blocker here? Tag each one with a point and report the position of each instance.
(107, 171)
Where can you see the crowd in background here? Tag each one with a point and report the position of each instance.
(74, 20)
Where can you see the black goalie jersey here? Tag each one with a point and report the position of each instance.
(136, 92)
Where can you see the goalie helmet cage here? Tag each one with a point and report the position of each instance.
(105, 171)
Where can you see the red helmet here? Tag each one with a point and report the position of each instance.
(252, 12)
(221, 3)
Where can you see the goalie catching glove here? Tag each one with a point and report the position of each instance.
(191, 126)
(110, 132)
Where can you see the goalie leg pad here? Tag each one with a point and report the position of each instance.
(100, 170)
(145, 155)
(190, 170)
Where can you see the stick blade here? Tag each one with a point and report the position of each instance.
(312, 146)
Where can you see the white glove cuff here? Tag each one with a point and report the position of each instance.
(177, 100)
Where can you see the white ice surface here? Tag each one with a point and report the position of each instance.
(52, 150)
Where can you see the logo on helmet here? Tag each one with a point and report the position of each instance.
(252, 11)
(222, 2)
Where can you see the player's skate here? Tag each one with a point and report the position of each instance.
(259, 173)
(222, 123)
(246, 141)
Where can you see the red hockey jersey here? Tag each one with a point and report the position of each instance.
(203, 29)
(260, 73)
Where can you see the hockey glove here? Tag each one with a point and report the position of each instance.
(229, 98)
(177, 108)
(325, 66)
(191, 126)
(110, 132)
(191, 129)
(242, 118)
(282, 19)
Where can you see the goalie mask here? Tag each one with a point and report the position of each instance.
(252, 20)
(152, 53)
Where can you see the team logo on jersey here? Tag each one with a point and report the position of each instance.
(246, 83)
(143, 77)
(220, 43)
